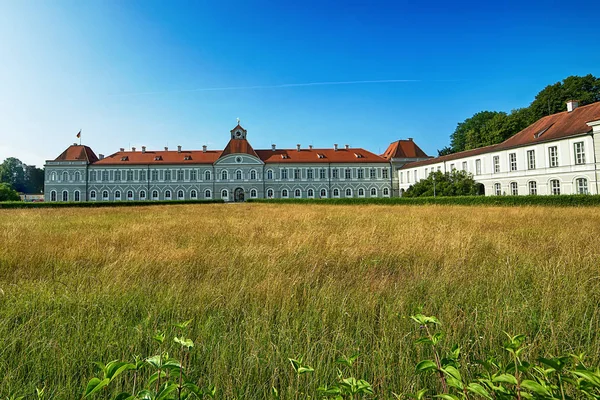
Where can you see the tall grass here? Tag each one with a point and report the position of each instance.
(264, 282)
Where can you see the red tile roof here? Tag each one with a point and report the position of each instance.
(404, 149)
(319, 156)
(546, 129)
(161, 157)
(238, 146)
(78, 153)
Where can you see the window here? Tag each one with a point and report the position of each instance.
(497, 189)
(322, 173)
(53, 176)
(464, 166)
(180, 195)
(93, 195)
(361, 173)
(530, 159)
(193, 175)
(284, 193)
(284, 173)
(207, 194)
(118, 195)
(582, 186)
(207, 175)
(105, 195)
(372, 173)
(426, 169)
(553, 157)
(373, 192)
(323, 193)
(270, 174)
(514, 188)
(512, 158)
(77, 195)
(401, 177)
(155, 195)
(130, 195)
(451, 167)
(167, 175)
(130, 175)
(309, 173)
(92, 175)
(348, 192)
(224, 194)
(238, 175)
(77, 177)
(142, 195)
(193, 194)
(296, 173)
(253, 174)
(104, 176)
(253, 193)
(117, 175)
(297, 193)
(65, 195)
(155, 175)
(555, 186)
(310, 193)
(415, 175)
(224, 175)
(270, 193)
(579, 153)
(180, 175)
(167, 195)
(478, 167)
(142, 175)
(347, 173)
(386, 192)
(532, 188)
(65, 176)
(496, 164)
(336, 192)
(335, 174)
(361, 192)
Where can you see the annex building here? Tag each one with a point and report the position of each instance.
(558, 154)
(235, 173)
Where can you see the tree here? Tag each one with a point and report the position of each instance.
(445, 151)
(23, 178)
(467, 134)
(455, 183)
(7, 193)
(34, 179)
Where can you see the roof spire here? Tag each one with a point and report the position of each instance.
(238, 120)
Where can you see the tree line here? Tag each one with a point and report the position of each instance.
(16, 177)
(491, 127)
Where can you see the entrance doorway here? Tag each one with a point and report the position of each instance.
(238, 195)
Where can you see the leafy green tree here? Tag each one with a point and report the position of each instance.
(455, 183)
(12, 172)
(34, 179)
(7, 193)
(445, 151)
(552, 99)
(468, 133)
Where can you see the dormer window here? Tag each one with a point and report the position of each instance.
(540, 133)
(158, 158)
(187, 158)
(320, 155)
(284, 156)
(125, 158)
(358, 155)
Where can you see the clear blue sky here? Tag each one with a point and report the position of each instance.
(132, 73)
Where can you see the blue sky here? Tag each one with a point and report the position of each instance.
(133, 73)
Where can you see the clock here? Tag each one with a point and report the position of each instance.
(238, 134)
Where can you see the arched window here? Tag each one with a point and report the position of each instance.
(118, 195)
(65, 176)
(310, 193)
(238, 175)
(323, 193)
(336, 192)
(77, 196)
(207, 194)
(194, 194)
(386, 192)
(373, 192)
(270, 193)
(207, 175)
(93, 195)
(130, 195)
(77, 177)
(167, 195)
(53, 176)
(555, 186)
(514, 189)
(284, 193)
(142, 195)
(497, 189)
(532, 188)
(224, 194)
(105, 195)
(65, 195)
(253, 193)
(180, 195)
(297, 193)
(53, 195)
(348, 192)
(361, 192)
(270, 174)
(253, 174)
(581, 185)
(224, 175)
(155, 195)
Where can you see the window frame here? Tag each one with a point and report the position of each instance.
(532, 187)
(512, 161)
(579, 153)
(531, 159)
(553, 156)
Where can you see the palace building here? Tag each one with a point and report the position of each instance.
(235, 173)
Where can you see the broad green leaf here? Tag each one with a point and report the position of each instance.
(305, 369)
(447, 397)
(183, 325)
(155, 361)
(505, 378)
(479, 390)
(94, 385)
(535, 387)
(424, 340)
(592, 378)
(166, 390)
(453, 372)
(426, 365)
(124, 396)
(184, 342)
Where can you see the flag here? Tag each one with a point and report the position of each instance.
(79, 134)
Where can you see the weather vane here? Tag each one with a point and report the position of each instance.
(238, 120)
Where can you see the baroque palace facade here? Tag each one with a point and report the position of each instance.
(234, 174)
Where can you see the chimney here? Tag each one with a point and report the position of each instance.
(122, 149)
(410, 139)
(101, 156)
(347, 146)
(179, 149)
(74, 144)
(143, 149)
(204, 149)
(572, 104)
(166, 148)
(335, 147)
(310, 146)
(133, 149)
(273, 147)
(298, 147)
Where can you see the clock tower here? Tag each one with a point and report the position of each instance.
(238, 132)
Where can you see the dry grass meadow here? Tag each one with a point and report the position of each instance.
(264, 282)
